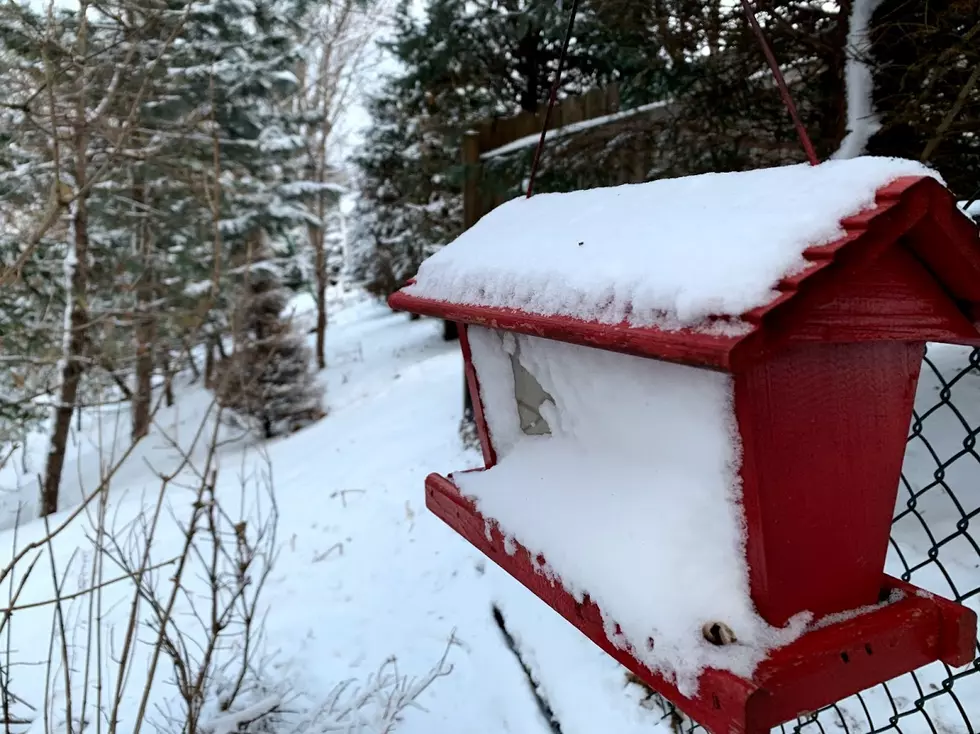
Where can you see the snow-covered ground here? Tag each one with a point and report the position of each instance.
(364, 572)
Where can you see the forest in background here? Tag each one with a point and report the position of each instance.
(465, 62)
(175, 225)
(170, 173)
(169, 178)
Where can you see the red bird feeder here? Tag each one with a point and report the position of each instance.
(616, 333)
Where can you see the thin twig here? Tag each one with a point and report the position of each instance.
(89, 589)
(951, 114)
(59, 617)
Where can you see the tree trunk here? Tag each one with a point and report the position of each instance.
(319, 247)
(145, 331)
(528, 50)
(209, 365)
(169, 369)
(110, 369)
(72, 362)
(192, 363)
(76, 277)
(318, 240)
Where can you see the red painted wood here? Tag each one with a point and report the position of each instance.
(824, 385)
(857, 249)
(823, 430)
(896, 188)
(730, 692)
(473, 383)
(685, 346)
(792, 282)
(821, 253)
(894, 298)
(865, 219)
(958, 633)
(832, 663)
(947, 241)
(823, 666)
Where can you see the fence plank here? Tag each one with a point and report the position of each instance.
(471, 178)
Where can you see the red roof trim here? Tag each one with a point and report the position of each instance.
(689, 347)
(900, 208)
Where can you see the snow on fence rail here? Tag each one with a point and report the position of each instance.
(935, 544)
(590, 142)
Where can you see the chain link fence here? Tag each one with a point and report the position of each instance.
(935, 544)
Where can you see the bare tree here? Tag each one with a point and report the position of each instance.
(337, 51)
(172, 642)
(76, 259)
(145, 318)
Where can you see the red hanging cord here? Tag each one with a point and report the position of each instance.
(552, 97)
(781, 83)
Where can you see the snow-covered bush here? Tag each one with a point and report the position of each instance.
(150, 615)
(269, 381)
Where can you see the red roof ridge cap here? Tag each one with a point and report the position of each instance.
(899, 186)
(819, 257)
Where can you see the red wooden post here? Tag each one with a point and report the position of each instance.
(817, 532)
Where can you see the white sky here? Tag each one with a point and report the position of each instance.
(356, 119)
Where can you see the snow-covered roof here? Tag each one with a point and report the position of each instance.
(668, 253)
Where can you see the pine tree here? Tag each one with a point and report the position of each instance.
(462, 63)
(465, 62)
(131, 200)
(62, 137)
(270, 381)
(925, 62)
(32, 294)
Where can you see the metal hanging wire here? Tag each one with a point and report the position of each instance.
(750, 14)
(811, 154)
(552, 96)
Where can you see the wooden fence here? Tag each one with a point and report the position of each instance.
(606, 146)
(595, 115)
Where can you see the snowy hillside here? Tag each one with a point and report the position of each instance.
(363, 572)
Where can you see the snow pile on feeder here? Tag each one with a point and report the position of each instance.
(668, 253)
(632, 498)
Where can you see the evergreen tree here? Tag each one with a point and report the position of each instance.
(134, 200)
(269, 381)
(462, 63)
(465, 62)
(925, 62)
(65, 139)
